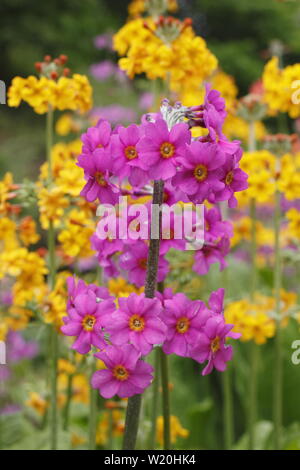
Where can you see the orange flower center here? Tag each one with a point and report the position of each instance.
(200, 172)
(142, 263)
(136, 323)
(182, 325)
(215, 344)
(167, 150)
(130, 152)
(99, 177)
(229, 178)
(99, 146)
(88, 322)
(120, 372)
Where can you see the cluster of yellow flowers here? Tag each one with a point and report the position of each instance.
(280, 85)
(42, 93)
(177, 430)
(138, 7)
(267, 173)
(255, 321)
(167, 49)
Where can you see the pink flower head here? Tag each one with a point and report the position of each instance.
(96, 137)
(160, 148)
(234, 180)
(172, 232)
(126, 374)
(126, 156)
(77, 288)
(105, 248)
(137, 322)
(198, 176)
(216, 301)
(184, 319)
(211, 254)
(210, 345)
(86, 321)
(98, 171)
(135, 262)
(172, 195)
(215, 227)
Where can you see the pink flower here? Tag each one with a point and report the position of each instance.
(215, 227)
(126, 374)
(210, 345)
(86, 321)
(98, 171)
(137, 322)
(160, 148)
(135, 262)
(77, 288)
(125, 155)
(96, 137)
(198, 176)
(211, 253)
(184, 319)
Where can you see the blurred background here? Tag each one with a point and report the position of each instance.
(243, 34)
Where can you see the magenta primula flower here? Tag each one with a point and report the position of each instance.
(98, 172)
(184, 319)
(211, 344)
(96, 137)
(210, 254)
(160, 148)
(126, 156)
(126, 374)
(135, 262)
(234, 179)
(216, 301)
(86, 319)
(137, 322)
(198, 176)
(76, 288)
(215, 228)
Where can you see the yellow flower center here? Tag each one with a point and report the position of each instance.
(142, 263)
(182, 325)
(136, 323)
(200, 172)
(167, 150)
(215, 344)
(120, 372)
(130, 152)
(88, 322)
(99, 177)
(229, 178)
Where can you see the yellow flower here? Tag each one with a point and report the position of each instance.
(8, 238)
(120, 286)
(176, 429)
(65, 367)
(37, 402)
(27, 231)
(117, 421)
(261, 188)
(70, 179)
(293, 216)
(3, 330)
(76, 440)
(75, 237)
(6, 193)
(52, 203)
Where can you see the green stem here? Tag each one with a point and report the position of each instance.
(53, 385)
(93, 412)
(277, 386)
(165, 399)
(49, 140)
(253, 394)
(68, 403)
(155, 392)
(228, 409)
(134, 403)
(253, 248)
(52, 274)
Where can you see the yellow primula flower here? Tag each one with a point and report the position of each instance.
(176, 429)
(52, 203)
(37, 402)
